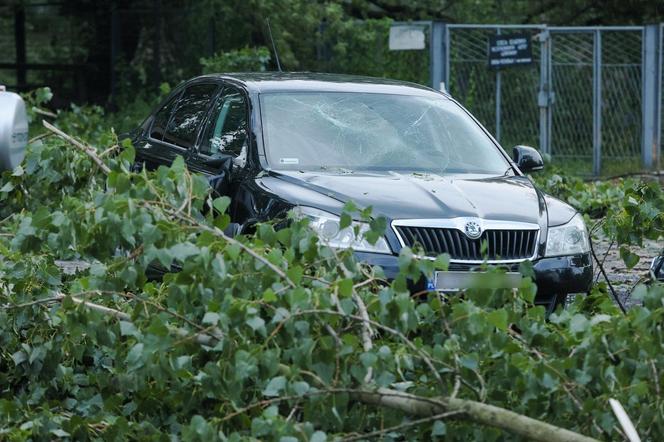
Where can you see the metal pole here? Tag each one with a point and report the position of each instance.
(651, 77)
(543, 97)
(447, 74)
(437, 54)
(498, 97)
(597, 103)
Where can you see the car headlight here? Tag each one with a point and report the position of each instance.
(568, 239)
(328, 228)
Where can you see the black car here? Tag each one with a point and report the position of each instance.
(277, 141)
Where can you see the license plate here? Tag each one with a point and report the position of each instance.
(454, 281)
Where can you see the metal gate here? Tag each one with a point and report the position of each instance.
(591, 99)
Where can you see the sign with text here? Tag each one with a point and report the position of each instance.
(510, 50)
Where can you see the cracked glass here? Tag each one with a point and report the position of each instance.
(191, 108)
(347, 131)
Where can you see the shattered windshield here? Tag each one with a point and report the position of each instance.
(344, 131)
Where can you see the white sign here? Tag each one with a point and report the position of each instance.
(404, 38)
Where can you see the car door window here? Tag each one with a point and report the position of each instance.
(189, 114)
(226, 130)
(161, 118)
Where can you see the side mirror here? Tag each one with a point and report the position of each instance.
(657, 268)
(13, 129)
(527, 159)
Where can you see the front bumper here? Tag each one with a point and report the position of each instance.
(554, 276)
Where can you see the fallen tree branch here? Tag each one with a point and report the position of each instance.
(89, 151)
(46, 113)
(367, 342)
(486, 414)
(403, 426)
(202, 338)
(40, 137)
(219, 233)
(429, 408)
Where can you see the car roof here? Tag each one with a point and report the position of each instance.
(319, 82)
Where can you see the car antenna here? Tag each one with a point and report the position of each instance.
(274, 47)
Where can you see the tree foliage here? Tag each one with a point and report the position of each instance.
(274, 335)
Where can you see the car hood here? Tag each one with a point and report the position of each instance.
(413, 196)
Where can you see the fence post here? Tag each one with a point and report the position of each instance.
(19, 40)
(597, 102)
(499, 96)
(651, 99)
(544, 94)
(438, 55)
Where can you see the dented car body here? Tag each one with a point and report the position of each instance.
(274, 142)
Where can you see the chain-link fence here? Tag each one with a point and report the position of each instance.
(582, 100)
(506, 103)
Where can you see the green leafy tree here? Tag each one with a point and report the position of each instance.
(273, 335)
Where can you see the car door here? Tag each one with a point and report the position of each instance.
(224, 141)
(176, 125)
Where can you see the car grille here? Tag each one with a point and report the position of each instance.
(500, 244)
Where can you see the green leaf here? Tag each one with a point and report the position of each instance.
(368, 359)
(256, 323)
(211, 318)
(128, 329)
(439, 429)
(631, 259)
(135, 356)
(295, 274)
(19, 357)
(345, 287)
(579, 323)
(178, 165)
(498, 318)
(8, 187)
(275, 386)
(318, 436)
(59, 432)
(221, 204)
(184, 250)
(345, 220)
(300, 388)
(269, 295)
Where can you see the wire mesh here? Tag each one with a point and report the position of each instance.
(519, 111)
(572, 112)
(621, 99)
(571, 80)
(479, 88)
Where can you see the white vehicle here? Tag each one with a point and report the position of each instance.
(13, 129)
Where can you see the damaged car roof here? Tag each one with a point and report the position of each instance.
(307, 81)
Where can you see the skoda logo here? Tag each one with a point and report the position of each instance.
(473, 230)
